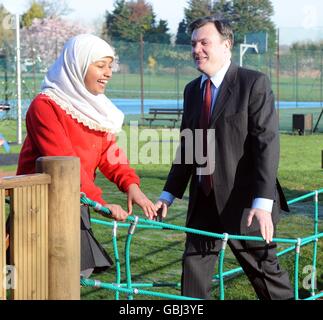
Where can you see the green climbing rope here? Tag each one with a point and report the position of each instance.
(133, 222)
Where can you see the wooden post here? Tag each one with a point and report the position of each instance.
(2, 245)
(63, 226)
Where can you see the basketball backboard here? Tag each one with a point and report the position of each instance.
(258, 38)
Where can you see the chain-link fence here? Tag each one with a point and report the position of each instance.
(164, 70)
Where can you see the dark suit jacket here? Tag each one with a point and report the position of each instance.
(246, 146)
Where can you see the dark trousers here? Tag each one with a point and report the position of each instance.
(257, 258)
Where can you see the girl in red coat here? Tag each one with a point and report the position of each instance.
(72, 117)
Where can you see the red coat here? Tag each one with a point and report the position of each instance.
(52, 132)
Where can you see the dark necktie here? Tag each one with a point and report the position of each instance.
(206, 180)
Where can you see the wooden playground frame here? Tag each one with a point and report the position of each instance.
(44, 232)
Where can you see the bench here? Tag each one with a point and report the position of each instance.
(4, 107)
(164, 114)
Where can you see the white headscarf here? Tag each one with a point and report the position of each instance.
(64, 83)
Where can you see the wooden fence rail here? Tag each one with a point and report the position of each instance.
(44, 232)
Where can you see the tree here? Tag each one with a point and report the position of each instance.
(6, 31)
(54, 9)
(253, 16)
(45, 9)
(307, 46)
(182, 36)
(131, 19)
(158, 33)
(197, 9)
(245, 16)
(35, 11)
(223, 9)
(45, 38)
(113, 30)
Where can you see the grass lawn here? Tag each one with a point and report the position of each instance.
(156, 255)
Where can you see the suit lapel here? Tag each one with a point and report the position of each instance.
(225, 92)
(197, 102)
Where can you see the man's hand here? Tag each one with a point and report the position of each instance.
(161, 208)
(136, 196)
(265, 223)
(117, 213)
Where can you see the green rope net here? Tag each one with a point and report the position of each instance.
(133, 223)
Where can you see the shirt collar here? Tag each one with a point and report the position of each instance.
(218, 77)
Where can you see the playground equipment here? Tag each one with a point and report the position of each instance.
(44, 239)
(134, 289)
(44, 231)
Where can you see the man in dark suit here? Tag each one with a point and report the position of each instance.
(237, 192)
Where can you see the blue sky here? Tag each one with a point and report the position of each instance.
(289, 14)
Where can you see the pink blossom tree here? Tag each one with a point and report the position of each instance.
(45, 38)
